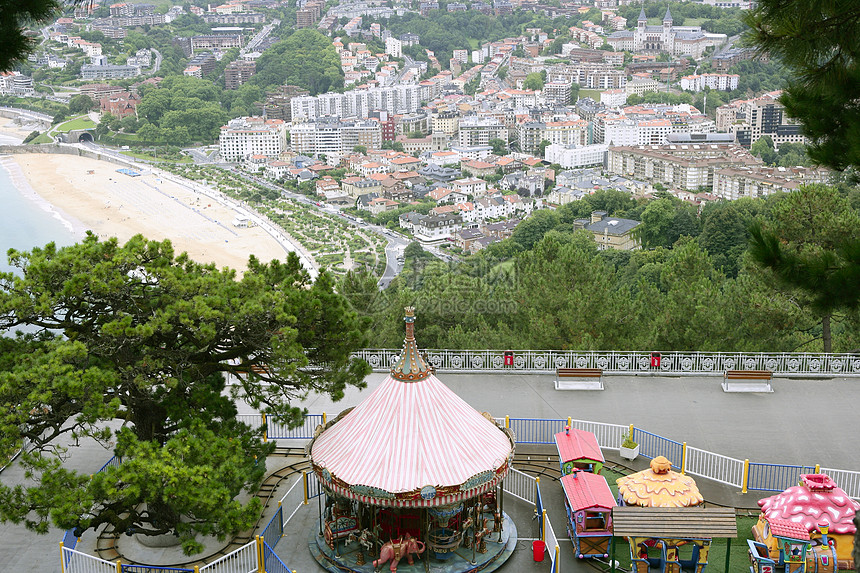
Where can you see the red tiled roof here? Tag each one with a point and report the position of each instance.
(786, 528)
(585, 490)
(578, 445)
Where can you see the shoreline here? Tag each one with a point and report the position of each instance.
(89, 194)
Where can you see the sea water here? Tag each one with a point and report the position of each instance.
(27, 221)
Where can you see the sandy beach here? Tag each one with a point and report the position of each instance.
(92, 195)
(11, 133)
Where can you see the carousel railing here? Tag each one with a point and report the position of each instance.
(782, 364)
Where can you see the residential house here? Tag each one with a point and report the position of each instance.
(471, 186)
(405, 164)
(381, 205)
(610, 232)
(437, 228)
(444, 195)
(356, 186)
(466, 239)
(477, 168)
(439, 173)
(530, 184)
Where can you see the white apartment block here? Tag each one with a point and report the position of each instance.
(393, 47)
(557, 92)
(398, 99)
(613, 98)
(478, 131)
(246, 136)
(334, 137)
(638, 86)
(721, 82)
(572, 156)
(470, 186)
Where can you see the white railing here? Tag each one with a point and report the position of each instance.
(783, 364)
(847, 480)
(609, 436)
(715, 467)
(77, 562)
(520, 485)
(243, 560)
(552, 546)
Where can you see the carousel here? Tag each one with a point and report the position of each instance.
(412, 479)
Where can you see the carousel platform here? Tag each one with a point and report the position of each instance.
(499, 546)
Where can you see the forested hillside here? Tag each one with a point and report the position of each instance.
(550, 287)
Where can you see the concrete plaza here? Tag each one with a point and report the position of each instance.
(801, 422)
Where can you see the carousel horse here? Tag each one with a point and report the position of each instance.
(395, 551)
(364, 538)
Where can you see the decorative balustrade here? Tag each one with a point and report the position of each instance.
(784, 364)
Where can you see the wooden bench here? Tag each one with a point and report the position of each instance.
(578, 379)
(747, 381)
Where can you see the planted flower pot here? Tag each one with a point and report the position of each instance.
(629, 453)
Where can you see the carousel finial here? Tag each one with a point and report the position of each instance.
(411, 366)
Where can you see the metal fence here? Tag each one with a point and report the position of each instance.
(609, 436)
(652, 445)
(273, 563)
(274, 530)
(847, 480)
(313, 488)
(785, 364)
(69, 539)
(153, 569)
(552, 546)
(775, 477)
(521, 485)
(77, 562)
(243, 560)
(713, 466)
(536, 431)
(275, 430)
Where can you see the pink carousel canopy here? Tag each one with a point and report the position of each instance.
(412, 442)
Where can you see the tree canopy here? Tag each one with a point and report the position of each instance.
(137, 334)
(306, 58)
(15, 16)
(819, 42)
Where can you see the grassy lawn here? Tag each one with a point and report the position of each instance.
(593, 94)
(83, 122)
(43, 138)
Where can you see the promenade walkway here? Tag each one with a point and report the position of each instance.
(801, 422)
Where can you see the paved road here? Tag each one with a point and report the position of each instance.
(801, 422)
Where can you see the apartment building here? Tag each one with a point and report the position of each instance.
(238, 72)
(751, 119)
(246, 136)
(721, 82)
(573, 156)
(677, 166)
(479, 130)
(333, 137)
(758, 181)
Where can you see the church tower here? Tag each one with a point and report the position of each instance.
(668, 35)
(639, 34)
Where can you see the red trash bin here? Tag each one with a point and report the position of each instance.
(538, 548)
